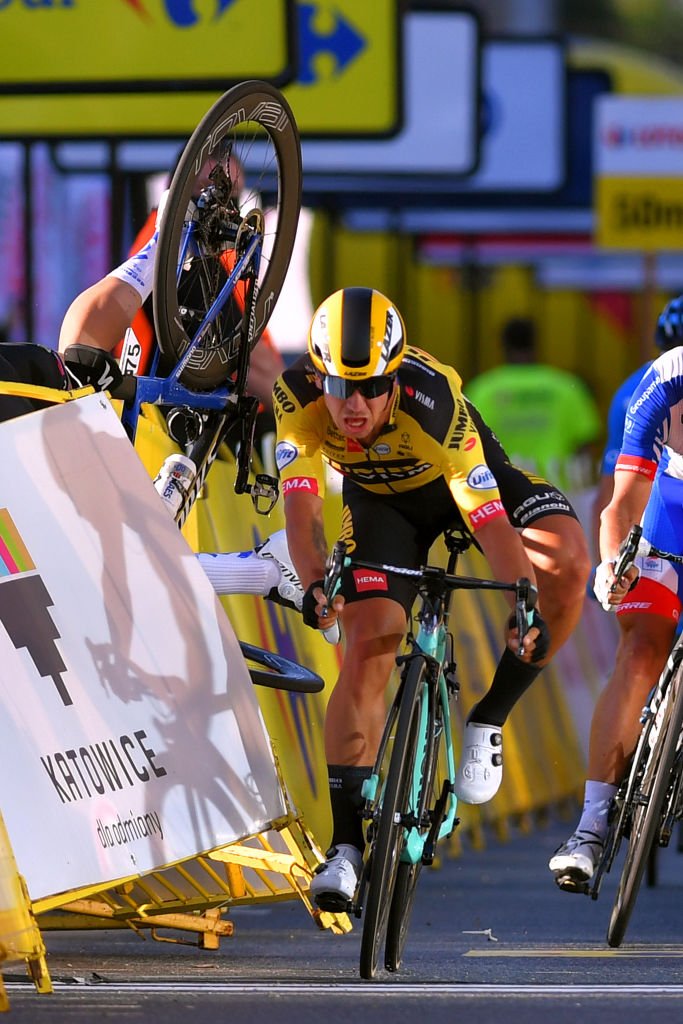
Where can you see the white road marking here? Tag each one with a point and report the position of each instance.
(356, 989)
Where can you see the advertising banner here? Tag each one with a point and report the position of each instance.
(143, 45)
(130, 736)
(152, 68)
(639, 172)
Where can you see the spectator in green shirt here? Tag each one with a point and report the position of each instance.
(545, 418)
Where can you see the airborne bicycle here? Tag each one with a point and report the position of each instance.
(222, 256)
(650, 799)
(410, 804)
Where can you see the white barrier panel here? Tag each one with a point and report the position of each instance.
(130, 736)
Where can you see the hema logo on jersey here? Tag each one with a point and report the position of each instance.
(285, 454)
(481, 478)
(368, 579)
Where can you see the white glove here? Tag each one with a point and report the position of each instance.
(604, 578)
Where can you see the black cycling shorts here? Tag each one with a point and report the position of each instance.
(28, 364)
(399, 529)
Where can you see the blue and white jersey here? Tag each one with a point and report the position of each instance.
(653, 430)
(616, 417)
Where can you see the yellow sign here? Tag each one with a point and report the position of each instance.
(135, 67)
(69, 46)
(348, 80)
(639, 213)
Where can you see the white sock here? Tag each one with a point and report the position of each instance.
(597, 798)
(138, 271)
(243, 572)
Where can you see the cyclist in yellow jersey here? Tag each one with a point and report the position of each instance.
(413, 465)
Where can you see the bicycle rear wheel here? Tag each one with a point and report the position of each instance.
(239, 173)
(648, 803)
(389, 831)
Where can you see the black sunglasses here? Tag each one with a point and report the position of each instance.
(370, 387)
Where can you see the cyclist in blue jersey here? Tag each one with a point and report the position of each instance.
(648, 487)
(668, 333)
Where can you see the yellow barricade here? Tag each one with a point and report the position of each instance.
(544, 759)
(20, 938)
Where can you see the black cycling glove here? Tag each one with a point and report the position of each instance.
(92, 366)
(543, 638)
(309, 605)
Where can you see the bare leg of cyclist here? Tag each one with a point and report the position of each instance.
(356, 711)
(644, 646)
(374, 629)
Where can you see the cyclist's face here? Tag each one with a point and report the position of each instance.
(359, 417)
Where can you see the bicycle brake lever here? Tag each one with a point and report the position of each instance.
(526, 599)
(627, 553)
(331, 580)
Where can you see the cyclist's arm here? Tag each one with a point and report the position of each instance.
(308, 549)
(631, 493)
(306, 536)
(504, 551)
(100, 315)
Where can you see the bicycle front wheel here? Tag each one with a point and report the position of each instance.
(648, 804)
(389, 829)
(239, 175)
(423, 803)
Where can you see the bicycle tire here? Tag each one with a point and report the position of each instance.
(280, 673)
(389, 834)
(646, 815)
(254, 123)
(407, 875)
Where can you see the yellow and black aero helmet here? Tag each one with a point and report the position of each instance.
(357, 335)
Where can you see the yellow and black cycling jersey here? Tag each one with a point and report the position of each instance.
(430, 434)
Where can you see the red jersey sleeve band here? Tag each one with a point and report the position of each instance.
(485, 513)
(635, 464)
(300, 484)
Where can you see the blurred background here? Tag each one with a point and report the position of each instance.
(477, 162)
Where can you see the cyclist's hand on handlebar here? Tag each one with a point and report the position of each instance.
(534, 642)
(609, 590)
(316, 611)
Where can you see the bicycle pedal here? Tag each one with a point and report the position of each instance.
(333, 903)
(264, 493)
(568, 881)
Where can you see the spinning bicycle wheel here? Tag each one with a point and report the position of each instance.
(389, 834)
(648, 802)
(239, 177)
(422, 805)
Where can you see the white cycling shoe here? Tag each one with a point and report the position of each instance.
(335, 881)
(574, 863)
(480, 771)
(288, 590)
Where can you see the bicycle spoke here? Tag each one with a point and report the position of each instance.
(238, 180)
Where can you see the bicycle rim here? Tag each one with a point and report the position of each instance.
(407, 875)
(389, 834)
(210, 210)
(646, 815)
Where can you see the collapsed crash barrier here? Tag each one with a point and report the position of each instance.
(544, 750)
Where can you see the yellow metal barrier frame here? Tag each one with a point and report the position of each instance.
(191, 895)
